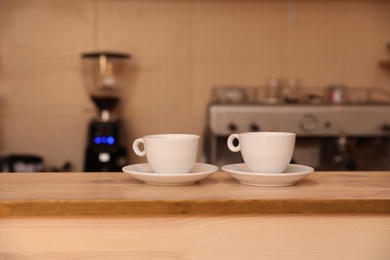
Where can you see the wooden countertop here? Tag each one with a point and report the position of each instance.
(53, 194)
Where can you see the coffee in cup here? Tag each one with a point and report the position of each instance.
(169, 153)
(264, 152)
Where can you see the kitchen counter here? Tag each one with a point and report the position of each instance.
(37, 194)
(344, 215)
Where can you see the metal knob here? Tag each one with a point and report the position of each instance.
(309, 123)
(232, 127)
(254, 127)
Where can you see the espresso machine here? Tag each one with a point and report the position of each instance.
(104, 75)
(330, 136)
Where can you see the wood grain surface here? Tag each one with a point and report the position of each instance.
(328, 215)
(119, 194)
(197, 237)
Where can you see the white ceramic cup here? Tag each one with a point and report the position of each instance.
(169, 153)
(264, 152)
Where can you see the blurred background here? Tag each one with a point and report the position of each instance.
(179, 51)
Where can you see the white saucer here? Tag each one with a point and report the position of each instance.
(143, 172)
(290, 176)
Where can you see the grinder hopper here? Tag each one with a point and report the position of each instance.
(104, 75)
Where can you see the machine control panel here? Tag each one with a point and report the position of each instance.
(304, 120)
(103, 134)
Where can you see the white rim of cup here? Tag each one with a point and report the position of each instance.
(171, 136)
(268, 133)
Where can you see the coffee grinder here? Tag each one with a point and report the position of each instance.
(104, 74)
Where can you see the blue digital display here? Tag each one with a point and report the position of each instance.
(109, 140)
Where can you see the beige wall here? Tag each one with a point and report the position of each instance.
(181, 49)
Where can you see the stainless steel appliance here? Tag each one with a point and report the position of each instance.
(345, 136)
(104, 74)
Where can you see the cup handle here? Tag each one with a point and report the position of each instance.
(136, 147)
(230, 143)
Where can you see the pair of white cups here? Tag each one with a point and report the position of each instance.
(263, 152)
